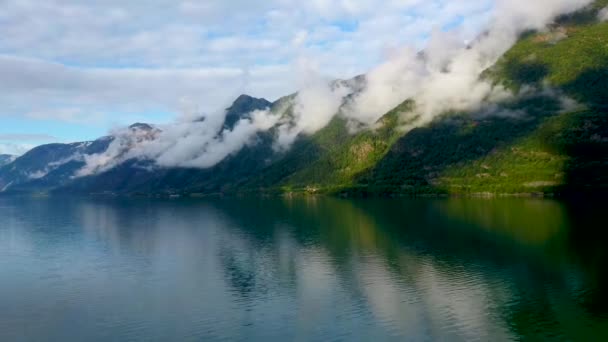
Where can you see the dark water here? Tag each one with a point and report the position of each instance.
(302, 269)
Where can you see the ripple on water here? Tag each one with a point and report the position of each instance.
(323, 270)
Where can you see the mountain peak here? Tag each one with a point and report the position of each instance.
(141, 126)
(241, 107)
(246, 100)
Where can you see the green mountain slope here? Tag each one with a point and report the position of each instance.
(332, 158)
(545, 150)
(567, 152)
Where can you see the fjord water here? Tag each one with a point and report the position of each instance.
(302, 269)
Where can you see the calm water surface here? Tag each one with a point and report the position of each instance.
(302, 269)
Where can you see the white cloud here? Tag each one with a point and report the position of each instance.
(18, 143)
(51, 91)
(84, 61)
(446, 77)
(199, 144)
(70, 59)
(603, 15)
(317, 102)
(15, 149)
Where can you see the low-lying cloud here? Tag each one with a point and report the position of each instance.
(445, 76)
(603, 15)
(18, 143)
(189, 144)
(15, 148)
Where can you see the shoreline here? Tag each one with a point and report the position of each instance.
(303, 194)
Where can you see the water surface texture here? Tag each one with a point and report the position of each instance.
(302, 269)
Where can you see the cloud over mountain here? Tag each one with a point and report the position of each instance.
(444, 76)
(79, 61)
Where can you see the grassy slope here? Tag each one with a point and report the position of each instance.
(347, 155)
(567, 152)
(546, 151)
(331, 159)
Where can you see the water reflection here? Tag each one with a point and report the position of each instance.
(301, 268)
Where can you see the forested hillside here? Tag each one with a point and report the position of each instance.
(550, 136)
(539, 147)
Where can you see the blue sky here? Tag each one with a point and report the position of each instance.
(73, 69)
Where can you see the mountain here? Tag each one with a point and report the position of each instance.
(534, 146)
(241, 107)
(135, 177)
(546, 150)
(52, 167)
(48, 166)
(6, 159)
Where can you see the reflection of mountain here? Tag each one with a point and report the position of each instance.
(418, 253)
(308, 267)
(417, 264)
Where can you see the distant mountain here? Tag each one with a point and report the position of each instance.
(52, 167)
(546, 150)
(48, 166)
(134, 177)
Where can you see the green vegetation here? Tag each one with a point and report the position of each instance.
(551, 138)
(347, 155)
(566, 152)
(540, 150)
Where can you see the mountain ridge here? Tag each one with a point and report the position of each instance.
(534, 146)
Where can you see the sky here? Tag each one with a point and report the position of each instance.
(72, 70)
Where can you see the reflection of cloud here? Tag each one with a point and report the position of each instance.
(463, 302)
(318, 290)
(393, 302)
(310, 267)
(424, 300)
(14, 232)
